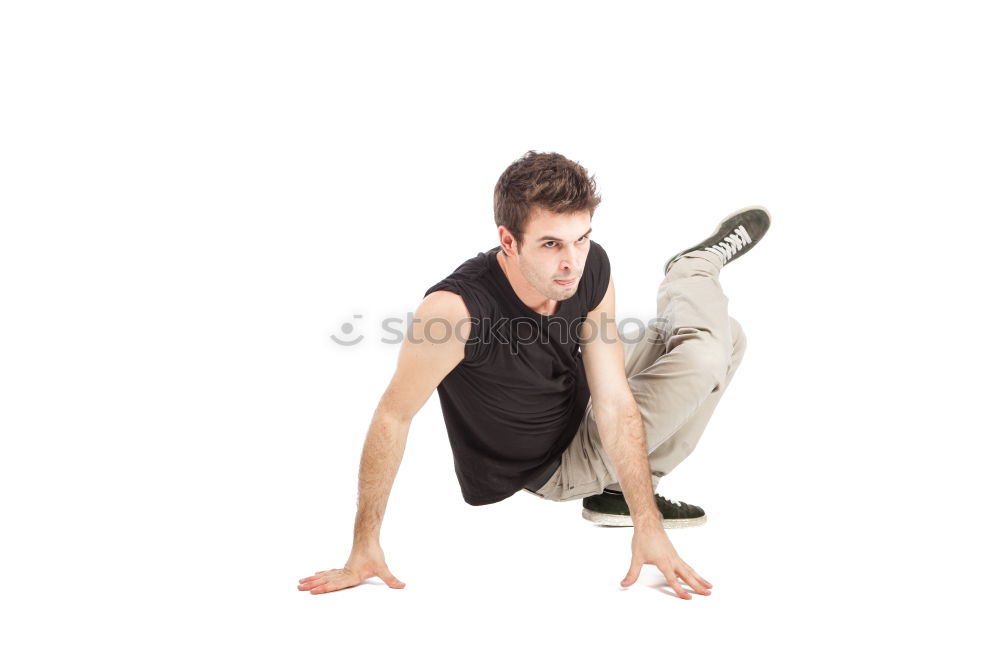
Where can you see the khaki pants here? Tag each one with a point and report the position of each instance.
(678, 371)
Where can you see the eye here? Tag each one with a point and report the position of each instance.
(583, 239)
(549, 244)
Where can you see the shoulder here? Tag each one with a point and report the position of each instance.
(443, 303)
(600, 254)
(468, 283)
(469, 270)
(597, 275)
(446, 315)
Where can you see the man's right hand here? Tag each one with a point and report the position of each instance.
(365, 562)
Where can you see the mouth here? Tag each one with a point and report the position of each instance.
(565, 283)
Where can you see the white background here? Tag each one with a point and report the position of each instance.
(196, 195)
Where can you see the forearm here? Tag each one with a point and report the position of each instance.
(380, 460)
(624, 438)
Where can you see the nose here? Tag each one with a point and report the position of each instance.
(572, 260)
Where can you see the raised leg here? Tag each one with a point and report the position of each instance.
(680, 368)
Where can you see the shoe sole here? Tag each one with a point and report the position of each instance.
(612, 520)
(666, 266)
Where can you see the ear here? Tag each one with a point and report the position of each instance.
(507, 243)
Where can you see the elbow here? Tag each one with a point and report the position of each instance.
(621, 409)
(394, 411)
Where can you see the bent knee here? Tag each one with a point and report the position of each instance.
(712, 360)
(705, 354)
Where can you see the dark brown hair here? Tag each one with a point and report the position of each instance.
(546, 180)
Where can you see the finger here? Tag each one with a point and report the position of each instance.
(692, 580)
(326, 587)
(633, 573)
(673, 581)
(334, 585)
(391, 580)
(702, 581)
(311, 584)
(315, 581)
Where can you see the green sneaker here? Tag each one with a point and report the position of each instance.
(734, 236)
(610, 508)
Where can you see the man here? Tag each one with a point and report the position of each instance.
(536, 388)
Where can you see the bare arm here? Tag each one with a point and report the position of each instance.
(421, 366)
(623, 436)
(619, 422)
(434, 345)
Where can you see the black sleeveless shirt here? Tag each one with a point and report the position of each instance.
(514, 403)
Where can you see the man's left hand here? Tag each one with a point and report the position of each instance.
(650, 545)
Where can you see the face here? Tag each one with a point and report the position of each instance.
(554, 252)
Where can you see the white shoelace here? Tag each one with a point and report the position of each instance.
(731, 244)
